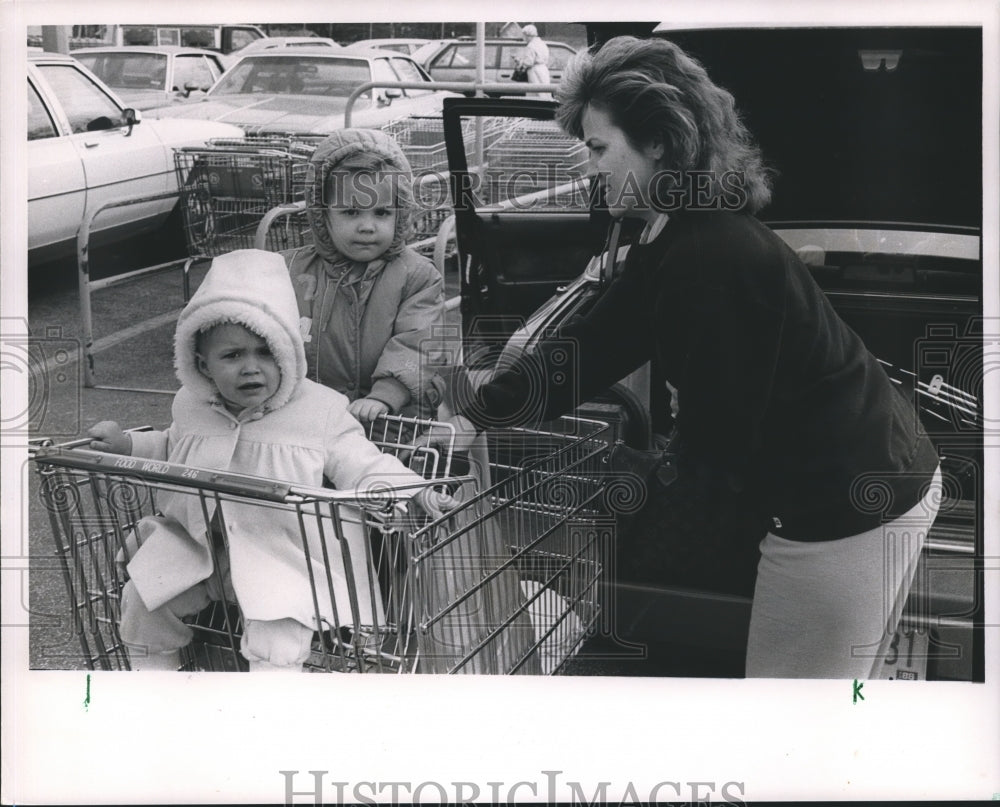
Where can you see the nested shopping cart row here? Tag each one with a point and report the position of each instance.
(228, 186)
(508, 582)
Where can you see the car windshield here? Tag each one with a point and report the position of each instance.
(128, 71)
(295, 75)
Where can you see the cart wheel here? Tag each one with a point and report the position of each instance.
(636, 429)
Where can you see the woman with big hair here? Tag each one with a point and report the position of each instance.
(778, 403)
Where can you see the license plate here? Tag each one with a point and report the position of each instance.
(905, 658)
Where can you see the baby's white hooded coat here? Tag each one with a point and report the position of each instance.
(301, 434)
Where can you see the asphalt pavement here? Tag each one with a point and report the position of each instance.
(133, 326)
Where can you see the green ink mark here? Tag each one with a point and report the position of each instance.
(86, 701)
(857, 690)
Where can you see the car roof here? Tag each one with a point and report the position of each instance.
(167, 49)
(49, 56)
(275, 41)
(330, 53)
(391, 40)
(499, 40)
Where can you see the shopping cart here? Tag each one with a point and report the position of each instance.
(511, 581)
(507, 582)
(530, 156)
(421, 139)
(228, 185)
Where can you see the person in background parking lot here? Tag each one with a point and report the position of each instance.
(778, 403)
(369, 302)
(535, 56)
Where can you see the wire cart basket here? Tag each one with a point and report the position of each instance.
(510, 582)
(531, 155)
(422, 141)
(228, 185)
(505, 583)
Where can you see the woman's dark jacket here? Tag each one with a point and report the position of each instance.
(778, 397)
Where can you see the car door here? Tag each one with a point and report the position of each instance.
(510, 55)
(118, 162)
(57, 186)
(523, 224)
(196, 69)
(458, 62)
(414, 102)
(559, 57)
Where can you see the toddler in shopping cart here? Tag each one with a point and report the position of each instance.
(371, 302)
(246, 407)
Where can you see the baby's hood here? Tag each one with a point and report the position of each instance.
(334, 150)
(250, 287)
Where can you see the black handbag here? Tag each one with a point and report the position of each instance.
(673, 528)
(520, 74)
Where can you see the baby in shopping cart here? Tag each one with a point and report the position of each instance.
(371, 302)
(246, 407)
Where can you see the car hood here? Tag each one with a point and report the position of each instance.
(143, 99)
(284, 113)
(189, 132)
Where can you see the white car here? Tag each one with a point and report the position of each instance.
(272, 42)
(407, 46)
(146, 76)
(305, 91)
(456, 59)
(86, 148)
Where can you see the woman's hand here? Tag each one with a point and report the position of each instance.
(436, 503)
(367, 409)
(441, 437)
(107, 436)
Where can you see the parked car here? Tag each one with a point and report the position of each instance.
(455, 60)
(407, 46)
(86, 148)
(221, 38)
(275, 42)
(271, 42)
(305, 90)
(893, 239)
(151, 76)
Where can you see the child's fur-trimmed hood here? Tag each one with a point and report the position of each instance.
(252, 288)
(327, 158)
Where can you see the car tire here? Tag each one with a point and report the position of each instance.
(169, 241)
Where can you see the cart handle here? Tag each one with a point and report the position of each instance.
(36, 444)
(172, 472)
(223, 481)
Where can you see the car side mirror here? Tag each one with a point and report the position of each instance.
(130, 117)
(386, 96)
(190, 87)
